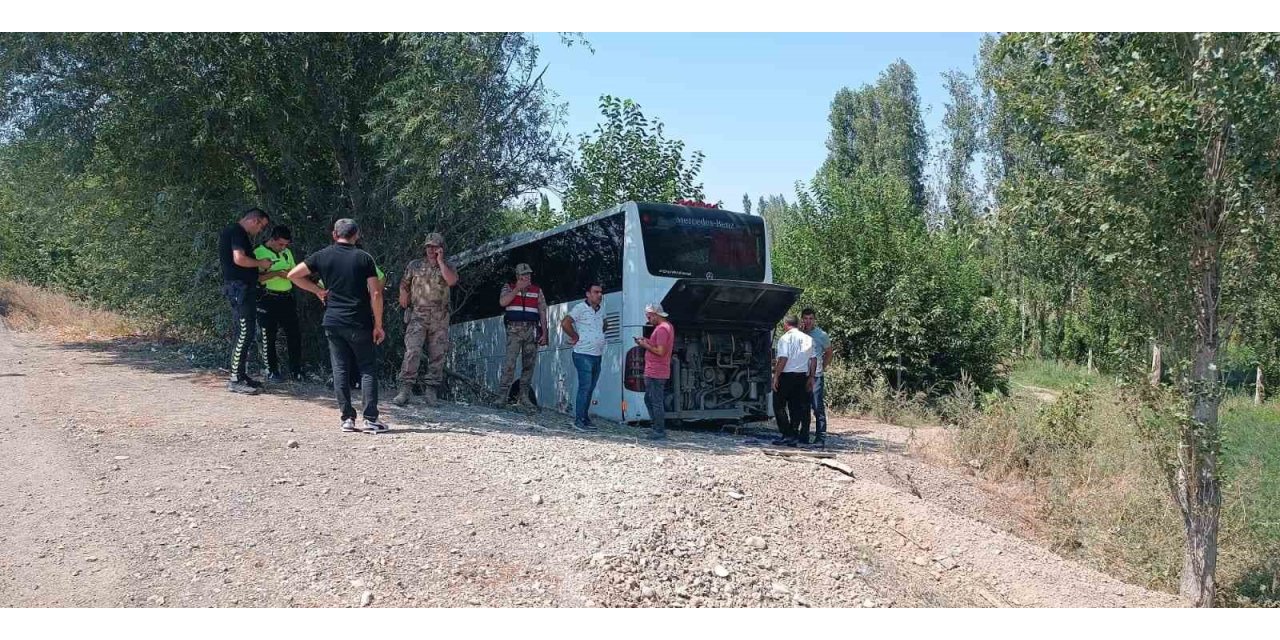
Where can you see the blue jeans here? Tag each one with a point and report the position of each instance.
(819, 402)
(588, 373)
(655, 398)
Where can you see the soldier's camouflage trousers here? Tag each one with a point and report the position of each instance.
(432, 329)
(522, 343)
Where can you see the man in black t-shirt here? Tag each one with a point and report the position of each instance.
(240, 286)
(352, 298)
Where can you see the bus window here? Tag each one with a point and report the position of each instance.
(563, 264)
(702, 243)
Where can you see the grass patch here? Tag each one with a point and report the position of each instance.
(27, 308)
(1049, 374)
(1103, 497)
(1251, 498)
(1251, 447)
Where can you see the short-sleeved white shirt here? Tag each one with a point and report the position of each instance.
(589, 325)
(797, 347)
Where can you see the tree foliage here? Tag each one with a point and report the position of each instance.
(898, 301)
(1151, 185)
(127, 152)
(880, 129)
(629, 158)
(961, 128)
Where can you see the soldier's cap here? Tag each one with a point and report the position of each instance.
(523, 268)
(655, 308)
(434, 240)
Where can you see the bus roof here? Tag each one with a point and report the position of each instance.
(525, 237)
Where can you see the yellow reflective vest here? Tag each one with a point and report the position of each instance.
(282, 261)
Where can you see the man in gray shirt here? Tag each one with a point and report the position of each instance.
(821, 351)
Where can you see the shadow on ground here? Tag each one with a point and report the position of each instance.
(178, 361)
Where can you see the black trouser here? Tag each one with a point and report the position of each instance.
(791, 406)
(243, 297)
(277, 311)
(348, 348)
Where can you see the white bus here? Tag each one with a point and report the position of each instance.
(710, 270)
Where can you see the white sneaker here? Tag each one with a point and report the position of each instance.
(349, 425)
(375, 426)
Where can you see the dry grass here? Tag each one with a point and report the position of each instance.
(27, 308)
(1103, 498)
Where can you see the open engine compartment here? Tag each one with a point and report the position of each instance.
(721, 373)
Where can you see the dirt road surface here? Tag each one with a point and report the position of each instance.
(129, 480)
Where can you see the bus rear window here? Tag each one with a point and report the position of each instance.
(684, 243)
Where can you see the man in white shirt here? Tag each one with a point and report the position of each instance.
(793, 378)
(584, 326)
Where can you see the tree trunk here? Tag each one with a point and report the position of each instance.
(1157, 367)
(1089, 365)
(1042, 329)
(266, 189)
(1259, 388)
(1198, 491)
(1022, 342)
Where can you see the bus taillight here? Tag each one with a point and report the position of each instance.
(633, 371)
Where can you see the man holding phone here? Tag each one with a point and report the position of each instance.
(240, 286)
(424, 296)
(525, 317)
(657, 367)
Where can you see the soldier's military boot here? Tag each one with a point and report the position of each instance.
(526, 404)
(429, 395)
(402, 398)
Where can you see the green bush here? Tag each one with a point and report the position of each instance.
(900, 302)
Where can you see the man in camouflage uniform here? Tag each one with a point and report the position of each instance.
(424, 296)
(525, 318)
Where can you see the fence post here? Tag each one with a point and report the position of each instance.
(1259, 388)
(1156, 365)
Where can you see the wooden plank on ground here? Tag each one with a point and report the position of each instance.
(838, 466)
(798, 453)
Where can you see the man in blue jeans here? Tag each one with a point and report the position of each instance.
(821, 351)
(657, 367)
(585, 328)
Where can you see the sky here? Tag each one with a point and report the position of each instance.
(755, 104)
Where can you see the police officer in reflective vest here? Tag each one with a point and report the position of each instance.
(526, 321)
(424, 296)
(276, 308)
